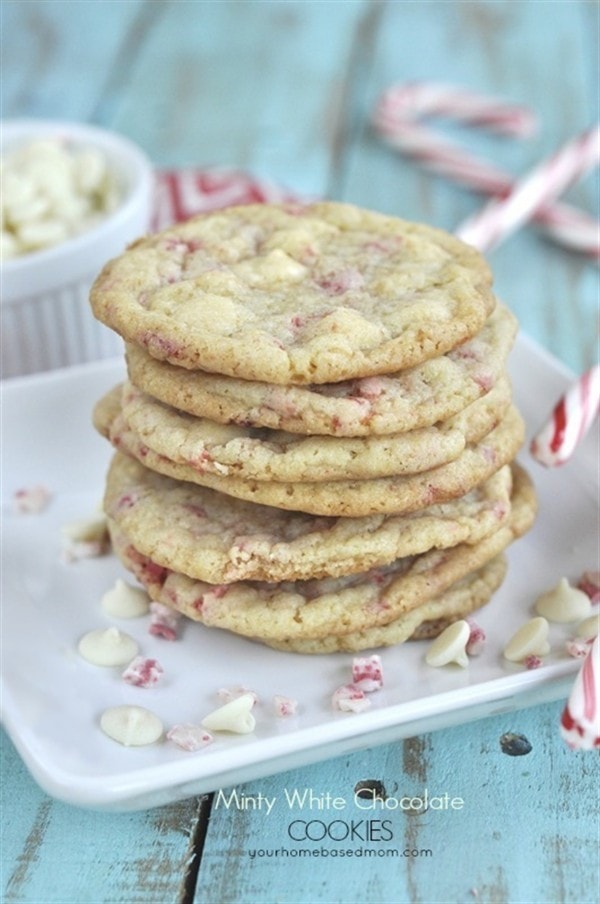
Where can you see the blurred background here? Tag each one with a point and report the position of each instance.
(284, 90)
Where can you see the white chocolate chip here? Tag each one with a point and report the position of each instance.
(530, 640)
(563, 603)
(107, 647)
(86, 530)
(132, 726)
(450, 646)
(589, 628)
(235, 716)
(86, 538)
(125, 601)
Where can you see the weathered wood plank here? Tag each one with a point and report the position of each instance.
(285, 89)
(52, 852)
(57, 56)
(256, 85)
(499, 49)
(526, 830)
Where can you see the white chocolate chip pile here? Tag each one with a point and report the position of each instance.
(51, 191)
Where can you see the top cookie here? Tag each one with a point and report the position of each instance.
(296, 293)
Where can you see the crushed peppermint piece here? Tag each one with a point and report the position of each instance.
(367, 673)
(577, 647)
(189, 737)
(350, 699)
(450, 646)
(234, 716)
(284, 706)
(142, 672)
(164, 621)
(227, 694)
(31, 500)
(532, 662)
(477, 639)
(590, 584)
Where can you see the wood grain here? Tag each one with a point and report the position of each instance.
(52, 852)
(522, 834)
(284, 89)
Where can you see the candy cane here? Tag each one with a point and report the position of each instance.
(396, 118)
(571, 419)
(536, 190)
(580, 720)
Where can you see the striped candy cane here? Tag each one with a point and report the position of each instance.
(571, 419)
(396, 117)
(580, 720)
(500, 218)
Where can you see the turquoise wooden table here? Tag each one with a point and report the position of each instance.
(284, 91)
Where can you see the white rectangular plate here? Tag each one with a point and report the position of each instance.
(52, 699)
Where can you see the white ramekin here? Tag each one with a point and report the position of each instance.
(46, 320)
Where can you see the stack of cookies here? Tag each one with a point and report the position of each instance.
(316, 439)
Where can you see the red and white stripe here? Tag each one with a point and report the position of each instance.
(536, 191)
(397, 117)
(399, 105)
(580, 720)
(181, 194)
(571, 419)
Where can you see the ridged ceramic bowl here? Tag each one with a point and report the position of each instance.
(46, 321)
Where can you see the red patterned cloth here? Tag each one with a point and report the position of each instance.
(181, 194)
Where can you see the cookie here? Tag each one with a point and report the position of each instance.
(218, 539)
(252, 453)
(349, 498)
(393, 403)
(422, 623)
(296, 294)
(330, 606)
